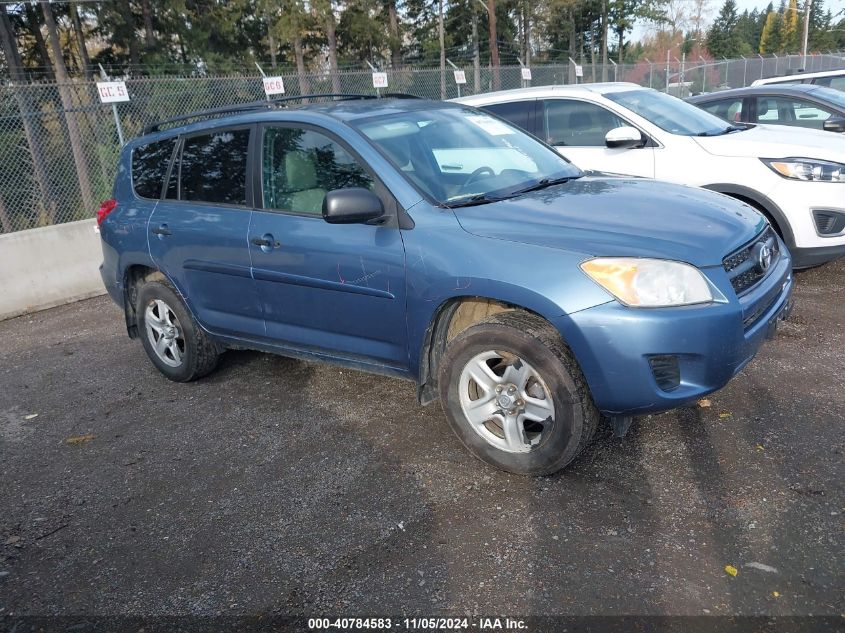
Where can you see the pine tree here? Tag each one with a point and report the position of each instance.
(790, 28)
(723, 39)
(770, 41)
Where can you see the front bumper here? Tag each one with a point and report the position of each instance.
(797, 200)
(711, 343)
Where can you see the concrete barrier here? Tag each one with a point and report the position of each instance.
(49, 266)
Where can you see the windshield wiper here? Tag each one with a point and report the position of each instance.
(727, 130)
(472, 201)
(544, 183)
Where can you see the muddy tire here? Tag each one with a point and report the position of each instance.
(175, 343)
(515, 396)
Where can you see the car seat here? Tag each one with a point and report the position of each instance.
(305, 196)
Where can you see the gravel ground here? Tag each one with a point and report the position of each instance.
(280, 486)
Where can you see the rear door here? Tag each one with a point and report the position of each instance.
(520, 113)
(198, 233)
(577, 129)
(333, 287)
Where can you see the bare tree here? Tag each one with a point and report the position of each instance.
(84, 60)
(5, 220)
(67, 104)
(149, 34)
(699, 15)
(494, 43)
(395, 43)
(331, 36)
(15, 64)
(604, 16)
(34, 23)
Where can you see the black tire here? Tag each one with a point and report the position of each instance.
(540, 345)
(200, 353)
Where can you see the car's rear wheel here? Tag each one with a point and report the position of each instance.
(515, 396)
(175, 343)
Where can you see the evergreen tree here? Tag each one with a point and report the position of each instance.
(724, 39)
(770, 38)
(790, 35)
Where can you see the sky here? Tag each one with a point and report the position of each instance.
(835, 7)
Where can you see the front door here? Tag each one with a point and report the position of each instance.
(577, 130)
(339, 288)
(198, 233)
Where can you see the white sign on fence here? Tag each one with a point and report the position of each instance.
(274, 86)
(112, 91)
(379, 80)
(579, 71)
(526, 74)
(460, 77)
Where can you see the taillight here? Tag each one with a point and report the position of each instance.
(105, 208)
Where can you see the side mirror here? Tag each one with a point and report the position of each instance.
(624, 138)
(835, 124)
(351, 206)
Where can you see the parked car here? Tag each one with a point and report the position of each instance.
(795, 105)
(831, 78)
(795, 177)
(436, 243)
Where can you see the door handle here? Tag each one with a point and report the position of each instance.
(162, 230)
(266, 242)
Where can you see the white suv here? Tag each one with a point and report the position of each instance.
(830, 78)
(794, 176)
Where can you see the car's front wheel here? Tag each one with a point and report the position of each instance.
(515, 396)
(173, 340)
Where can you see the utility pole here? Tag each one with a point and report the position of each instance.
(807, 5)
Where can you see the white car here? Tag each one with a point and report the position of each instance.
(794, 176)
(830, 78)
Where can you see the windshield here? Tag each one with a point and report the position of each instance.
(456, 155)
(670, 113)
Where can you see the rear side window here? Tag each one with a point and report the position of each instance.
(213, 167)
(837, 83)
(517, 112)
(149, 168)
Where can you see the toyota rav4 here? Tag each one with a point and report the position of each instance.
(434, 242)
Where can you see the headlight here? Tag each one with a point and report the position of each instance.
(649, 283)
(807, 169)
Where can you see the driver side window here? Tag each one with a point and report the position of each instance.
(577, 123)
(300, 166)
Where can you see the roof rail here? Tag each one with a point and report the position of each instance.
(260, 105)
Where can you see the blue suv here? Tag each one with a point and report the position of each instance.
(437, 243)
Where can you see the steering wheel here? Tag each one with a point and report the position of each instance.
(484, 169)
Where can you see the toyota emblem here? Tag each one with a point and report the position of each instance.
(763, 256)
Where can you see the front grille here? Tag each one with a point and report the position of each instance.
(745, 267)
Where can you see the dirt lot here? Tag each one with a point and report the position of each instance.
(279, 486)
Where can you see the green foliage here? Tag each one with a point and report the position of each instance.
(724, 38)
(770, 38)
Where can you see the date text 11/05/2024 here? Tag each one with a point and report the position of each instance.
(417, 624)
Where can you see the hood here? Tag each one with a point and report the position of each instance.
(623, 217)
(776, 141)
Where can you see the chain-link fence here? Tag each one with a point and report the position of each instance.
(59, 145)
